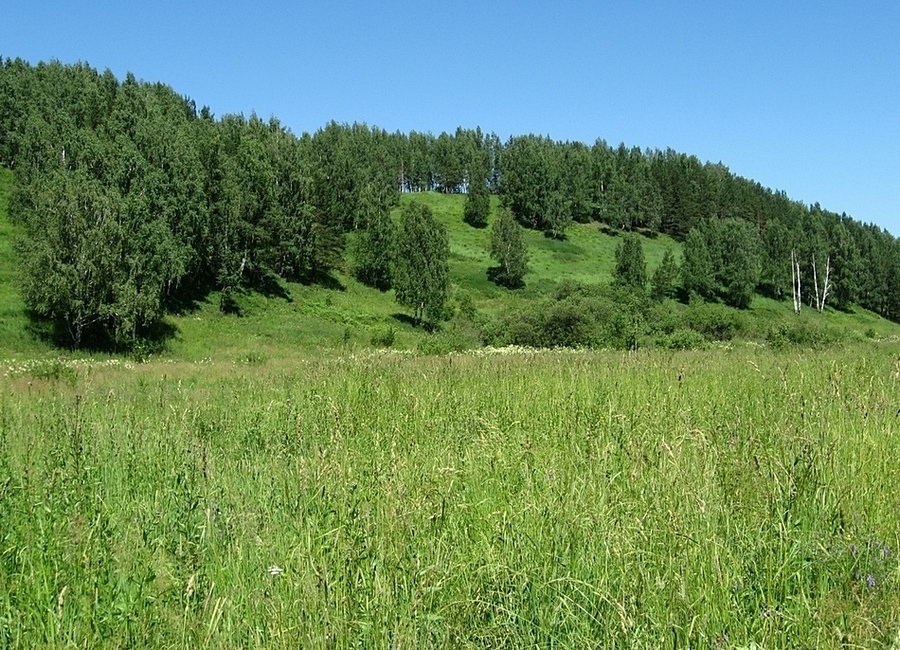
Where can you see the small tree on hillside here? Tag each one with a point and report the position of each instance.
(373, 247)
(421, 275)
(557, 216)
(665, 277)
(738, 262)
(631, 269)
(509, 249)
(697, 270)
(478, 204)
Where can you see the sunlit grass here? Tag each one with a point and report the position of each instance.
(500, 499)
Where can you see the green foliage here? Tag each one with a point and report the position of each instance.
(697, 270)
(665, 278)
(846, 267)
(631, 269)
(89, 258)
(803, 333)
(478, 205)
(420, 274)
(372, 249)
(239, 208)
(683, 339)
(509, 250)
(714, 321)
(384, 337)
(722, 259)
(455, 336)
(578, 316)
(533, 186)
(737, 261)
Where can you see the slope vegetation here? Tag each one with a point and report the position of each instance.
(349, 315)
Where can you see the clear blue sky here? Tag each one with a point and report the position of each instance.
(801, 96)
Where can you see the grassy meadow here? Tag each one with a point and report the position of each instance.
(280, 480)
(737, 498)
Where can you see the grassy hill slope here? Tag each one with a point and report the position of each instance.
(313, 318)
(14, 331)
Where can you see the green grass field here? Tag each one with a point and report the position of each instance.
(275, 481)
(714, 499)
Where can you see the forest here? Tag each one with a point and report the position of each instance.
(132, 202)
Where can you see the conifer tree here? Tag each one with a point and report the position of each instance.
(631, 269)
(665, 277)
(509, 249)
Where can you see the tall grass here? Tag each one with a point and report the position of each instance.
(713, 499)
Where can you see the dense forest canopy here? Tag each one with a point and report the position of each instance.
(129, 197)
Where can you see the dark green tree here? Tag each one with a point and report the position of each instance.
(372, 248)
(665, 277)
(846, 266)
(421, 275)
(697, 271)
(478, 205)
(631, 268)
(738, 258)
(509, 250)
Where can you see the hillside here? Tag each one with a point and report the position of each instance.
(313, 317)
(14, 326)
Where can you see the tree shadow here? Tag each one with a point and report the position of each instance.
(99, 337)
(406, 319)
(322, 279)
(495, 275)
(269, 286)
(188, 296)
(608, 230)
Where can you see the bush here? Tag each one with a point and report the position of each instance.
(665, 317)
(714, 321)
(803, 333)
(683, 339)
(384, 338)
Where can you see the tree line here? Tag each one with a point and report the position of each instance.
(132, 199)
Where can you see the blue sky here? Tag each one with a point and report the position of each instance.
(801, 96)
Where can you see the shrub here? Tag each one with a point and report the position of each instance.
(683, 339)
(384, 338)
(714, 321)
(802, 333)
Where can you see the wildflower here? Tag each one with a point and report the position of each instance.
(870, 580)
(275, 570)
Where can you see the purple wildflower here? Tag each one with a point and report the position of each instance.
(870, 580)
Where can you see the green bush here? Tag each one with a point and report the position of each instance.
(578, 316)
(804, 333)
(665, 317)
(683, 339)
(384, 337)
(714, 321)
